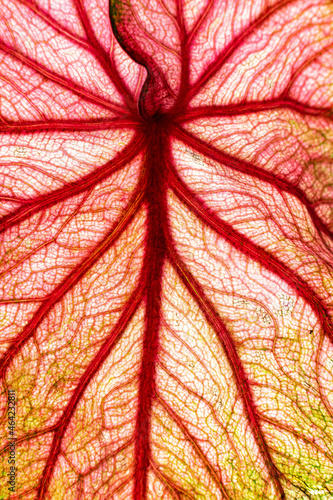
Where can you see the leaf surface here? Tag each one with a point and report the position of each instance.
(166, 262)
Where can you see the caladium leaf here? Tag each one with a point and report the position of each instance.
(166, 263)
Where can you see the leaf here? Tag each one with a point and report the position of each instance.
(166, 250)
